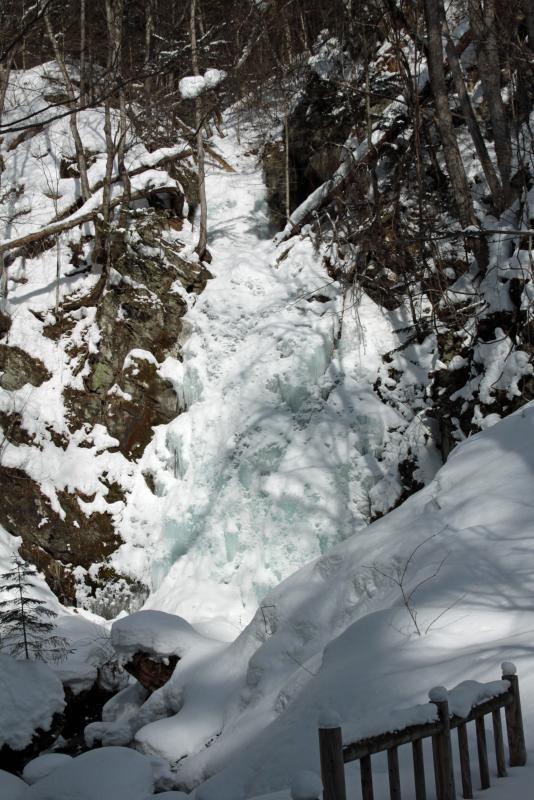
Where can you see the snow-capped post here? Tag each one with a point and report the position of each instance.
(331, 750)
(442, 748)
(514, 718)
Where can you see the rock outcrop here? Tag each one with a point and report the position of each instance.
(81, 358)
(151, 671)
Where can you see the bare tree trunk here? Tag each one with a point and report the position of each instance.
(455, 167)
(149, 32)
(472, 122)
(483, 22)
(524, 63)
(114, 15)
(5, 72)
(529, 18)
(83, 54)
(102, 228)
(286, 163)
(123, 172)
(203, 229)
(69, 88)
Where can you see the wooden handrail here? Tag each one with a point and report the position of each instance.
(385, 741)
(334, 755)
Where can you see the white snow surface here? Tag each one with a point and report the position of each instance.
(336, 635)
(40, 767)
(30, 695)
(113, 773)
(155, 632)
(195, 85)
(11, 787)
(279, 454)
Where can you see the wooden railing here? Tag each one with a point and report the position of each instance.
(334, 755)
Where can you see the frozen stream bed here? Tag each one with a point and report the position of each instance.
(280, 452)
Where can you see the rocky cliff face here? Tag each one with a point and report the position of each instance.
(81, 352)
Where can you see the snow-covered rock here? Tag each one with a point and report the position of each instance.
(30, 695)
(113, 773)
(11, 787)
(40, 767)
(155, 633)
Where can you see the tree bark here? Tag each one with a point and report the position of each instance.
(203, 227)
(83, 54)
(149, 32)
(483, 21)
(69, 88)
(455, 167)
(5, 72)
(472, 122)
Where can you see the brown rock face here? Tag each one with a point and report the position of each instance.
(49, 541)
(20, 368)
(151, 671)
(139, 308)
(140, 311)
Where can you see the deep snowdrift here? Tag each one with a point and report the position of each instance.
(337, 635)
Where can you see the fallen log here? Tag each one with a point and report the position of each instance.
(79, 217)
(73, 216)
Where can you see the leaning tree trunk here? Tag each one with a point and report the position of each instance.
(455, 167)
(201, 247)
(472, 123)
(5, 72)
(483, 22)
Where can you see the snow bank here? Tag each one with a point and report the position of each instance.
(11, 787)
(155, 633)
(336, 635)
(30, 695)
(113, 773)
(42, 766)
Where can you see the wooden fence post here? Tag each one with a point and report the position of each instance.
(332, 763)
(394, 775)
(439, 696)
(482, 750)
(463, 748)
(514, 718)
(419, 769)
(499, 743)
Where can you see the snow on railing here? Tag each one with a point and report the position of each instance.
(469, 702)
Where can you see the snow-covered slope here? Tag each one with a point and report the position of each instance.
(337, 635)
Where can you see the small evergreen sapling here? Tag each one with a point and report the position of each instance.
(26, 626)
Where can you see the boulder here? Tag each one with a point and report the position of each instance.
(152, 672)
